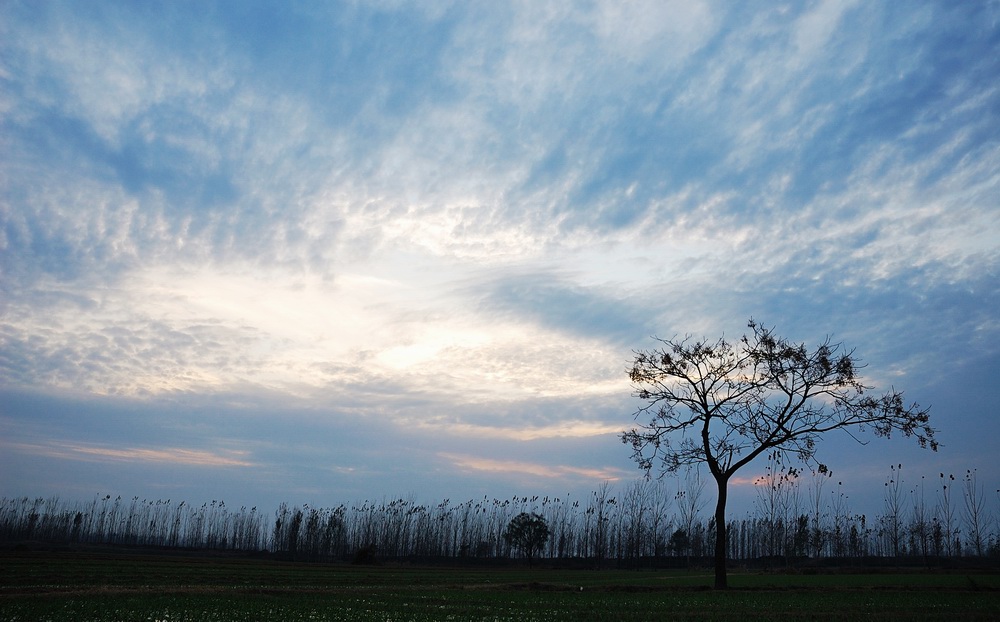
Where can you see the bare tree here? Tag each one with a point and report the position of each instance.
(659, 521)
(817, 535)
(774, 496)
(731, 402)
(892, 520)
(634, 514)
(920, 525)
(600, 506)
(976, 516)
(841, 519)
(690, 505)
(946, 508)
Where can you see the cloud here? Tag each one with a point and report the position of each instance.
(565, 428)
(171, 455)
(644, 31)
(558, 304)
(170, 331)
(533, 469)
(464, 217)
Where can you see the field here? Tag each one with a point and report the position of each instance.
(92, 586)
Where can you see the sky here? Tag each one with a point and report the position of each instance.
(314, 252)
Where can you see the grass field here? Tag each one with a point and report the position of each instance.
(81, 586)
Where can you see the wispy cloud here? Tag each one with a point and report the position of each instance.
(566, 428)
(169, 455)
(543, 470)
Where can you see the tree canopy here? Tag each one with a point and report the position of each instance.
(722, 404)
(527, 533)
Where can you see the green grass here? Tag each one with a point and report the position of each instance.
(76, 586)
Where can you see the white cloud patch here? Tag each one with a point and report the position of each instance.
(654, 32)
(166, 330)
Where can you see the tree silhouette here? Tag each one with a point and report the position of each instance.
(527, 533)
(731, 402)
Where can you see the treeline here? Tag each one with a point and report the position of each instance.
(794, 516)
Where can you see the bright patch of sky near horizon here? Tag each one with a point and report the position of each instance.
(319, 251)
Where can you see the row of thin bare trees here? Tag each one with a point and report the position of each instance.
(795, 515)
(800, 514)
(132, 522)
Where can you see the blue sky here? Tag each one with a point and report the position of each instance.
(319, 252)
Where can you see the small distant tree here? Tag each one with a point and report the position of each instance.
(527, 533)
(680, 543)
(723, 404)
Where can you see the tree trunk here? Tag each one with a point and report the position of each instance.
(721, 581)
